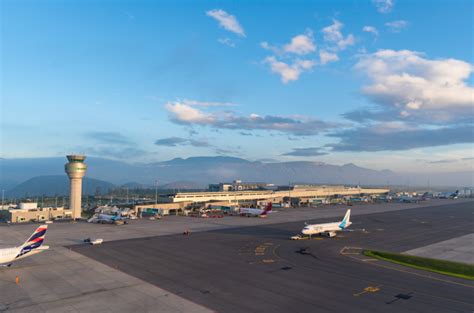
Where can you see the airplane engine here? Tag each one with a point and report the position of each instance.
(330, 234)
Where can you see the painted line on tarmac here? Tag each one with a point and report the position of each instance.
(368, 289)
(349, 254)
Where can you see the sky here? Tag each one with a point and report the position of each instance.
(385, 84)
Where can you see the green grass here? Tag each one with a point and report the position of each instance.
(450, 268)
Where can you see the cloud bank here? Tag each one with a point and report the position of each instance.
(186, 114)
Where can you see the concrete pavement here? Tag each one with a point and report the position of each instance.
(460, 249)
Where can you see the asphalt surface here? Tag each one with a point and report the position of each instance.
(258, 269)
(459, 249)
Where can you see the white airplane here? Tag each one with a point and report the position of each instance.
(103, 218)
(32, 246)
(256, 212)
(328, 229)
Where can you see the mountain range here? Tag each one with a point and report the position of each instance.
(26, 175)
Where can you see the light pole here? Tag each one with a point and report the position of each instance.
(3, 197)
(127, 194)
(289, 193)
(156, 194)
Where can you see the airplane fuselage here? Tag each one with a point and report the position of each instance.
(316, 229)
(251, 211)
(9, 255)
(328, 229)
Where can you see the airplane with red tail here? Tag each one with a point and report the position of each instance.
(33, 245)
(256, 212)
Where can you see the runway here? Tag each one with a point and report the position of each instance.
(255, 269)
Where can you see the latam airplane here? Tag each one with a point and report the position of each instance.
(328, 229)
(256, 212)
(32, 246)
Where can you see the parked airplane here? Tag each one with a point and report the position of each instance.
(453, 195)
(328, 229)
(108, 219)
(406, 199)
(256, 212)
(32, 246)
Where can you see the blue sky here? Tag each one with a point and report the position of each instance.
(383, 84)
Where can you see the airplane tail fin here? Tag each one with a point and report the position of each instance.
(267, 209)
(36, 239)
(346, 221)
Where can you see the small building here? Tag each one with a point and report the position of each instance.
(34, 214)
(28, 206)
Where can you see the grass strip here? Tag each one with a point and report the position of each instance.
(456, 269)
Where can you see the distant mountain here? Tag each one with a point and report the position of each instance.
(56, 185)
(205, 160)
(135, 185)
(200, 171)
(16, 171)
(183, 185)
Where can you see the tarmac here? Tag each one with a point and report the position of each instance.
(64, 233)
(460, 249)
(238, 264)
(65, 281)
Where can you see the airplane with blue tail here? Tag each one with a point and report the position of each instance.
(328, 229)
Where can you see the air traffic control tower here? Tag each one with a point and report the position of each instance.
(75, 169)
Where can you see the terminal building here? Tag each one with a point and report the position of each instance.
(238, 185)
(30, 212)
(297, 194)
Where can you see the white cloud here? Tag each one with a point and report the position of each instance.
(333, 34)
(286, 61)
(226, 41)
(371, 29)
(418, 87)
(289, 72)
(301, 45)
(207, 104)
(186, 114)
(227, 21)
(383, 6)
(265, 45)
(327, 57)
(396, 26)
(345, 42)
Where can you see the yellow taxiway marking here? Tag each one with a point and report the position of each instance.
(268, 261)
(368, 289)
(261, 249)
